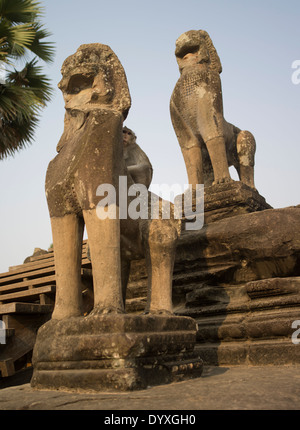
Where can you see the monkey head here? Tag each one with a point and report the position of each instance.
(129, 138)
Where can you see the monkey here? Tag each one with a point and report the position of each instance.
(137, 162)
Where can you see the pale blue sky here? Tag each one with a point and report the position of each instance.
(257, 42)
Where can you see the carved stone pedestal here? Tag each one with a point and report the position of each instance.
(231, 199)
(115, 352)
(228, 200)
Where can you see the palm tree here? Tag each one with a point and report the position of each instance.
(24, 92)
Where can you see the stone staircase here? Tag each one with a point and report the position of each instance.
(239, 278)
(27, 294)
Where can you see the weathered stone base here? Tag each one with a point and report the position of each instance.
(228, 200)
(277, 352)
(115, 352)
(231, 199)
(256, 326)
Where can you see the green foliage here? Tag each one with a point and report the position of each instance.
(24, 92)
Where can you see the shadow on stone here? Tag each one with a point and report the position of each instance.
(210, 371)
(197, 294)
(20, 378)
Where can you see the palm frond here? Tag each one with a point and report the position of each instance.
(25, 92)
(32, 78)
(16, 134)
(20, 11)
(43, 50)
(15, 100)
(18, 118)
(16, 38)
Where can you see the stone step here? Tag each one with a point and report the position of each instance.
(24, 308)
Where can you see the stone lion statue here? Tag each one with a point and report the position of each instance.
(208, 142)
(90, 153)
